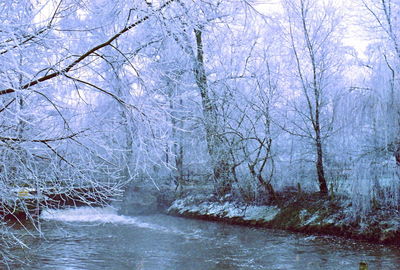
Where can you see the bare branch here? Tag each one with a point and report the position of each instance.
(85, 55)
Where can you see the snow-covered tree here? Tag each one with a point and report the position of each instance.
(312, 31)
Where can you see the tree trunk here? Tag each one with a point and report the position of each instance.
(323, 188)
(397, 155)
(215, 143)
(265, 184)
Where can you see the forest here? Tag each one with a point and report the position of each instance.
(247, 97)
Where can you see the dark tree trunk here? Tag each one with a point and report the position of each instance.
(215, 143)
(323, 188)
(265, 184)
(397, 155)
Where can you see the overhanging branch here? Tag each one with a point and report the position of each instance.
(13, 139)
(85, 55)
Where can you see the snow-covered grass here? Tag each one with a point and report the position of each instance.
(227, 210)
(298, 214)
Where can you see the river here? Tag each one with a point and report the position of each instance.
(99, 238)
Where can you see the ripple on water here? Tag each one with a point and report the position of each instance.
(99, 238)
(96, 215)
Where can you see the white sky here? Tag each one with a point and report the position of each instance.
(354, 35)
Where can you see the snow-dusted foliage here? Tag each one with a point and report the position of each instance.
(200, 93)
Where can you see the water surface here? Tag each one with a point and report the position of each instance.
(99, 238)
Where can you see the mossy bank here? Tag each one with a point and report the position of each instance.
(308, 213)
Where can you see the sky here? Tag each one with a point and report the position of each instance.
(355, 36)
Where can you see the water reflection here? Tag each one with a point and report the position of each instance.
(100, 239)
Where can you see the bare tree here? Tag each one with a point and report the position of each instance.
(313, 40)
(53, 144)
(215, 141)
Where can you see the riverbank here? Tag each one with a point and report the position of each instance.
(27, 203)
(307, 213)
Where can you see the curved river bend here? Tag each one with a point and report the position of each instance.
(99, 238)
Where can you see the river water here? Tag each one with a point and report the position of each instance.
(99, 238)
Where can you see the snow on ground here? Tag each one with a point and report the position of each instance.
(225, 210)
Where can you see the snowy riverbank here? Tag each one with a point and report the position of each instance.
(307, 213)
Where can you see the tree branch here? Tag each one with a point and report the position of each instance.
(85, 55)
(13, 139)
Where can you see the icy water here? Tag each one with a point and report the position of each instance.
(90, 238)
